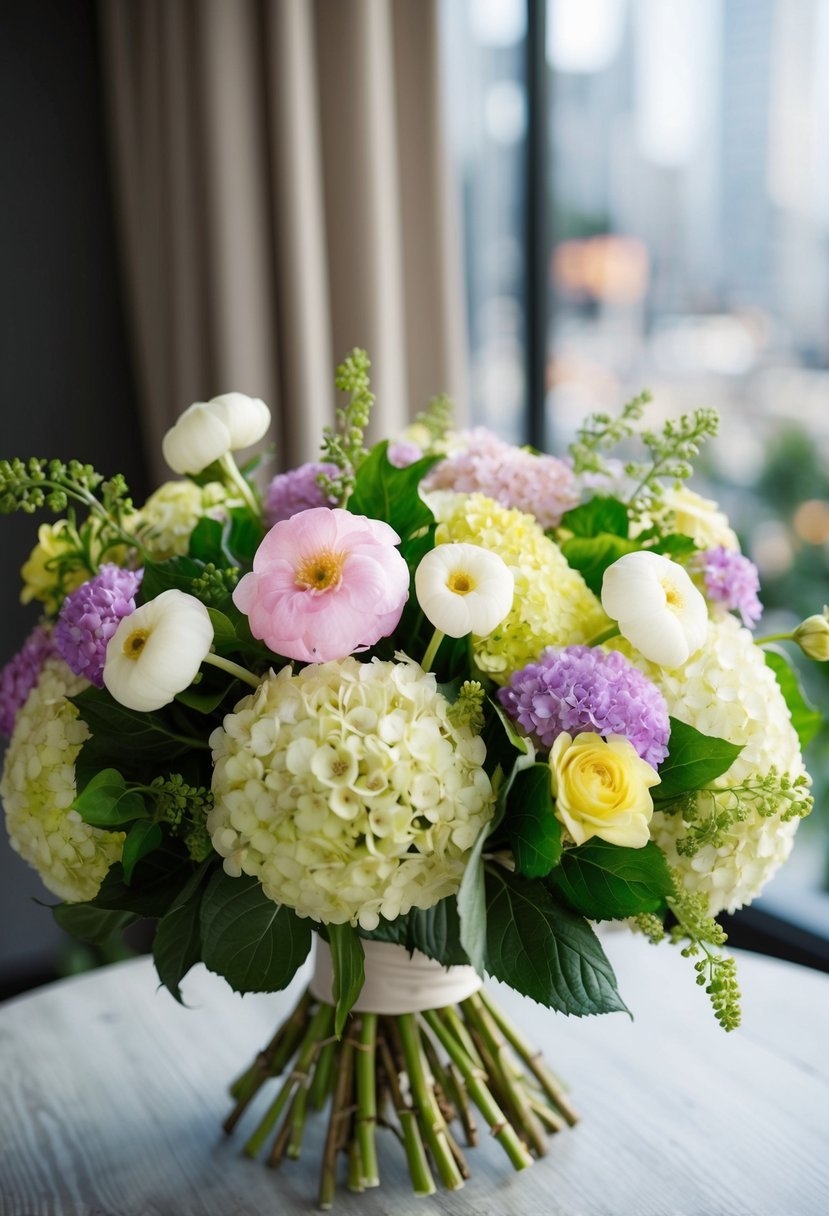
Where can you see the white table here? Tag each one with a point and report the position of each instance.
(112, 1096)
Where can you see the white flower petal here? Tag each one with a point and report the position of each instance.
(656, 606)
(197, 439)
(463, 589)
(172, 635)
(246, 418)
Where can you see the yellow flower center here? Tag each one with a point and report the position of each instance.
(320, 571)
(135, 643)
(672, 597)
(461, 582)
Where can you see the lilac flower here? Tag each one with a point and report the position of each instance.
(90, 616)
(731, 580)
(577, 689)
(403, 453)
(297, 490)
(21, 673)
(543, 486)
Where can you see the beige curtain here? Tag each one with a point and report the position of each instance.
(283, 194)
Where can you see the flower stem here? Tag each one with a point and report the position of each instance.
(612, 631)
(241, 673)
(430, 1117)
(432, 650)
(774, 637)
(366, 1117)
(236, 481)
(419, 1171)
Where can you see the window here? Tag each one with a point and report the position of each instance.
(651, 208)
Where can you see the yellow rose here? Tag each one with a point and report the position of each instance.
(700, 518)
(601, 789)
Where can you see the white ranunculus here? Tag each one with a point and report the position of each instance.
(656, 606)
(208, 430)
(464, 589)
(156, 651)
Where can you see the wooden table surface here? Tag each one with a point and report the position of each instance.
(111, 1097)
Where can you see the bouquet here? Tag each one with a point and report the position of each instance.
(441, 705)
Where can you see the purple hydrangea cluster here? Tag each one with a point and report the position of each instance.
(403, 453)
(578, 689)
(731, 579)
(89, 617)
(543, 486)
(297, 490)
(19, 676)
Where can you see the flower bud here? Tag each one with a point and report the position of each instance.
(812, 636)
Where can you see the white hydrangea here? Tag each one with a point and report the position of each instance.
(347, 791)
(727, 690)
(38, 788)
(168, 517)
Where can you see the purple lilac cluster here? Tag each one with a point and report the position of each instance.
(543, 486)
(578, 689)
(89, 617)
(297, 490)
(19, 676)
(731, 579)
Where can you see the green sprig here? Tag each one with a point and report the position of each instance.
(468, 708)
(438, 417)
(716, 972)
(602, 432)
(344, 444)
(214, 584)
(712, 812)
(184, 808)
(671, 451)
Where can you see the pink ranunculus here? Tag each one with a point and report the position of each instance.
(325, 584)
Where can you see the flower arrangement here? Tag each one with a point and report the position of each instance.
(443, 704)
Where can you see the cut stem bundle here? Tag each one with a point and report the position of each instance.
(418, 1075)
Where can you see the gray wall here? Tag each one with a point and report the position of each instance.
(66, 383)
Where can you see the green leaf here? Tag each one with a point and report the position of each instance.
(606, 882)
(91, 924)
(543, 950)
(203, 700)
(806, 720)
(674, 546)
(255, 944)
(177, 944)
(531, 824)
(175, 573)
(504, 744)
(224, 633)
(382, 491)
(208, 543)
(129, 735)
(245, 537)
(155, 883)
(348, 963)
(693, 760)
(142, 838)
(435, 932)
(600, 514)
(105, 801)
(592, 556)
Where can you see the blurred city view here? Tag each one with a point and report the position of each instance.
(688, 215)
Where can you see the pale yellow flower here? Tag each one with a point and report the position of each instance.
(602, 788)
(165, 522)
(700, 518)
(41, 579)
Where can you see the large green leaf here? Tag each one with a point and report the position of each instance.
(806, 720)
(384, 492)
(693, 760)
(348, 964)
(155, 883)
(591, 556)
(177, 944)
(142, 838)
(255, 944)
(543, 950)
(175, 573)
(606, 882)
(531, 824)
(600, 514)
(435, 932)
(91, 924)
(129, 735)
(472, 904)
(106, 802)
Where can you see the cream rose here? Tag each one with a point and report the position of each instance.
(700, 518)
(602, 788)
